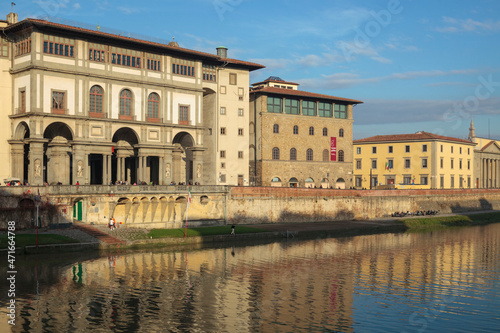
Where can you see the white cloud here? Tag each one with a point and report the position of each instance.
(453, 25)
(382, 60)
(76, 6)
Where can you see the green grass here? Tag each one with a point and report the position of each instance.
(450, 221)
(30, 239)
(203, 231)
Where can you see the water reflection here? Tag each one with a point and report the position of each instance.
(389, 282)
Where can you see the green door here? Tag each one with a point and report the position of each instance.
(77, 211)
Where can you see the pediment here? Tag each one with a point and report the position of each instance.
(493, 147)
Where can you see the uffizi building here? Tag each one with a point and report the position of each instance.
(85, 106)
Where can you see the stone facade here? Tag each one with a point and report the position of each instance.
(89, 107)
(294, 149)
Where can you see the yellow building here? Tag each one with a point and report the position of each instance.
(420, 160)
(86, 105)
(299, 138)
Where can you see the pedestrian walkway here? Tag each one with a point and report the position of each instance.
(100, 235)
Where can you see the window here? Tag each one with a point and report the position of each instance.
(460, 150)
(325, 155)
(441, 182)
(341, 133)
(223, 131)
(468, 181)
(468, 151)
(96, 93)
(308, 108)
(452, 181)
(311, 130)
(276, 128)
(276, 153)
(340, 111)
(291, 106)
(423, 180)
(22, 101)
(240, 154)
(309, 155)
(223, 165)
(293, 154)
(374, 150)
(222, 154)
(183, 114)
(358, 150)
(391, 150)
(374, 164)
(325, 131)
(358, 164)
(295, 129)
(58, 46)
(407, 163)
(442, 162)
(222, 110)
(460, 164)
(441, 148)
(222, 178)
(274, 104)
(126, 103)
(223, 90)
(183, 67)
(233, 79)
(209, 131)
(58, 102)
(341, 156)
(241, 93)
(424, 163)
(389, 165)
(359, 181)
(153, 62)
(241, 112)
(406, 179)
(240, 131)
(126, 57)
(451, 149)
(468, 165)
(209, 73)
(153, 106)
(407, 149)
(22, 46)
(424, 148)
(451, 163)
(325, 110)
(4, 47)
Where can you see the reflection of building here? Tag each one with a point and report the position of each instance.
(93, 107)
(422, 159)
(299, 138)
(486, 160)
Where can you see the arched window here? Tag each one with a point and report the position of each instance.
(341, 132)
(153, 105)
(95, 102)
(325, 131)
(276, 153)
(276, 128)
(311, 130)
(295, 129)
(126, 103)
(341, 156)
(309, 154)
(293, 154)
(325, 155)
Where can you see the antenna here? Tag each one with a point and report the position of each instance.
(489, 137)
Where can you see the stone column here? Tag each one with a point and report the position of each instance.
(17, 165)
(36, 167)
(176, 166)
(58, 166)
(168, 167)
(80, 165)
(161, 170)
(197, 166)
(108, 162)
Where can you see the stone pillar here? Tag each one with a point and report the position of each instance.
(36, 167)
(161, 170)
(108, 173)
(80, 165)
(483, 173)
(176, 166)
(197, 166)
(58, 166)
(168, 168)
(17, 165)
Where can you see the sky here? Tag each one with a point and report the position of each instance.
(418, 65)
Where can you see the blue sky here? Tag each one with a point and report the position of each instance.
(417, 64)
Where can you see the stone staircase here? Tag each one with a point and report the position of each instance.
(99, 234)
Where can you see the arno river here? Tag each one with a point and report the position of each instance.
(441, 281)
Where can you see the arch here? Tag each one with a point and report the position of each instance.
(183, 167)
(309, 182)
(59, 131)
(293, 182)
(276, 153)
(56, 167)
(325, 131)
(78, 209)
(252, 128)
(276, 128)
(309, 155)
(126, 103)
(276, 182)
(22, 131)
(126, 134)
(340, 183)
(325, 183)
(295, 129)
(184, 139)
(204, 200)
(293, 154)
(341, 133)
(311, 130)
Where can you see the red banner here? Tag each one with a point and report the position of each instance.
(333, 149)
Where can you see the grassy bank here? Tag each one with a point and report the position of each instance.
(451, 221)
(204, 231)
(30, 239)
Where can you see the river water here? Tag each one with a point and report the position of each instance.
(441, 281)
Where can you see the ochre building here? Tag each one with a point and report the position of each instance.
(299, 138)
(84, 105)
(419, 160)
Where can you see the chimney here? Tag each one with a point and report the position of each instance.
(222, 51)
(11, 18)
